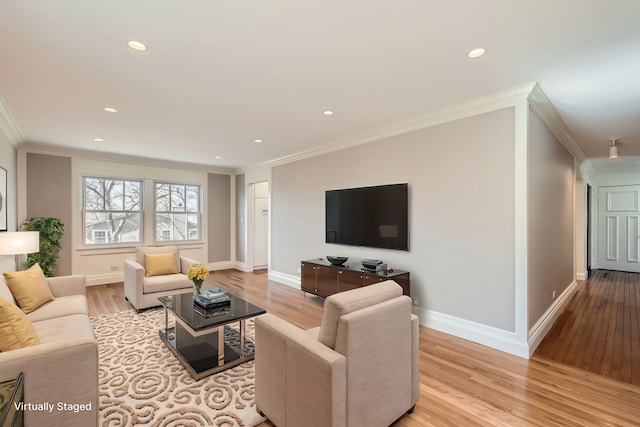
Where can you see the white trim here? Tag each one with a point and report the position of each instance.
(462, 110)
(104, 279)
(581, 275)
(285, 279)
(544, 109)
(545, 323)
(498, 339)
(9, 127)
(221, 265)
(242, 266)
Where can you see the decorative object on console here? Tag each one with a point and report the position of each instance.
(19, 243)
(373, 265)
(197, 274)
(337, 260)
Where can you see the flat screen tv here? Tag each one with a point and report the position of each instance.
(374, 217)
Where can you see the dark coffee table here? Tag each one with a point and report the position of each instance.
(200, 340)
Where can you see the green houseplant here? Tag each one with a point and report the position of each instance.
(51, 231)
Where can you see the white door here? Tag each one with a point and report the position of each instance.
(261, 226)
(618, 232)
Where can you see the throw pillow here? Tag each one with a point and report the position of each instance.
(16, 331)
(29, 288)
(160, 264)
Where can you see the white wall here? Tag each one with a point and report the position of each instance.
(462, 201)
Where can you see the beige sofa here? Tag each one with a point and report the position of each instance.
(63, 368)
(143, 291)
(360, 368)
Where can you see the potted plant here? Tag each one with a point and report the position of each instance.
(51, 231)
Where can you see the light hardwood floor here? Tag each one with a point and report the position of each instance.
(599, 329)
(462, 383)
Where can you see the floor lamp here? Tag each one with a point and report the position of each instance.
(19, 243)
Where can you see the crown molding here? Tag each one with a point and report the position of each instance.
(9, 127)
(544, 109)
(473, 107)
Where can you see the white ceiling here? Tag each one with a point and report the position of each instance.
(220, 73)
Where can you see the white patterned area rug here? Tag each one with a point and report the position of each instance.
(143, 384)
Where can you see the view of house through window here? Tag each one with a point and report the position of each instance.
(177, 212)
(112, 211)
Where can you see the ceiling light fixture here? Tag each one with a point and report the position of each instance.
(476, 53)
(257, 141)
(136, 45)
(327, 113)
(110, 110)
(98, 139)
(218, 157)
(613, 149)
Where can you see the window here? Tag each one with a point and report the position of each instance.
(177, 212)
(112, 211)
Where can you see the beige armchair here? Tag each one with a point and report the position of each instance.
(142, 290)
(360, 368)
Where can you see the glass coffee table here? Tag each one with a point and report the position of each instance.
(205, 341)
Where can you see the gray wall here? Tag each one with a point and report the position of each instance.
(462, 212)
(550, 218)
(219, 217)
(241, 206)
(49, 195)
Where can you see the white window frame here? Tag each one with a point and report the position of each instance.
(86, 211)
(178, 211)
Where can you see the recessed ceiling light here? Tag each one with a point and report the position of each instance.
(110, 110)
(477, 53)
(98, 139)
(257, 140)
(218, 157)
(327, 113)
(136, 45)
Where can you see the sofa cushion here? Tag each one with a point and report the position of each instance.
(16, 331)
(160, 264)
(164, 283)
(5, 292)
(63, 328)
(337, 305)
(59, 307)
(141, 250)
(29, 287)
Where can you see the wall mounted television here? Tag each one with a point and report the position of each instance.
(375, 217)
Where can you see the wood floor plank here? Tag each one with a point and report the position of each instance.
(466, 384)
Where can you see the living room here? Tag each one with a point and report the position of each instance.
(494, 175)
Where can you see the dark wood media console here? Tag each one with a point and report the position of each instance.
(320, 277)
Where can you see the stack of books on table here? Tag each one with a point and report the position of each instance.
(212, 298)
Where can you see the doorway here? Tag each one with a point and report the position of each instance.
(618, 228)
(260, 225)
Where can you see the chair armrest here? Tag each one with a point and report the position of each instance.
(297, 378)
(186, 263)
(133, 272)
(63, 371)
(63, 286)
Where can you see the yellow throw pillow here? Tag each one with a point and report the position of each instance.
(29, 288)
(16, 331)
(160, 264)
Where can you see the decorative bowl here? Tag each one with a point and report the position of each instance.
(337, 260)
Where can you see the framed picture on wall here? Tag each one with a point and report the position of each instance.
(3, 199)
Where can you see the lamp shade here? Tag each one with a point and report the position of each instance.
(19, 242)
(613, 152)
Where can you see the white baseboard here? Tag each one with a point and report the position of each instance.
(285, 279)
(489, 336)
(242, 267)
(581, 276)
(221, 265)
(545, 323)
(104, 279)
